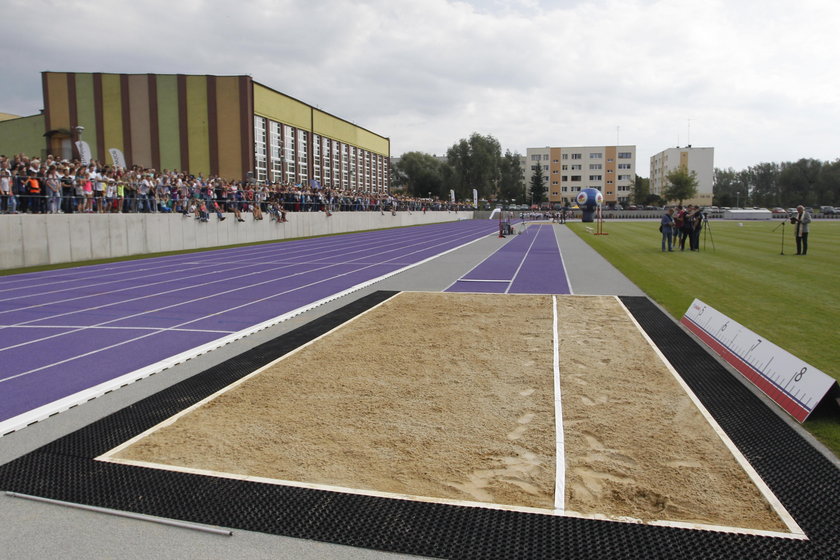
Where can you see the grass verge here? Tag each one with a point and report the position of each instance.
(790, 300)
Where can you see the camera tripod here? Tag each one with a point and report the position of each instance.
(707, 230)
(782, 225)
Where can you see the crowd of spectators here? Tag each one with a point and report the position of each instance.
(52, 186)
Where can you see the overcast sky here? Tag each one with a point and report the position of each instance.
(757, 80)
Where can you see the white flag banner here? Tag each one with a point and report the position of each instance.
(84, 151)
(118, 157)
(452, 196)
(475, 198)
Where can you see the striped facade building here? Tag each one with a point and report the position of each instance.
(567, 170)
(230, 126)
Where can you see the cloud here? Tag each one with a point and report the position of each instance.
(757, 79)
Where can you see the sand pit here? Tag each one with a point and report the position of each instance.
(450, 396)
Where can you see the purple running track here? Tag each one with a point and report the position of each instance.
(65, 331)
(530, 263)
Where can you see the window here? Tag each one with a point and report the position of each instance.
(624, 177)
(625, 155)
(554, 172)
(260, 149)
(624, 166)
(564, 178)
(555, 161)
(577, 156)
(565, 156)
(545, 167)
(275, 150)
(536, 157)
(564, 167)
(594, 166)
(575, 177)
(545, 157)
(565, 189)
(595, 155)
(595, 177)
(303, 155)
(555, 183)
(576, 167)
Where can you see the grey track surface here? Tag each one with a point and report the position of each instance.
(30, 530)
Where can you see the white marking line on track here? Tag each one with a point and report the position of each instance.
(557, 511)
(211, 296)
(202, 318)
(775, 503)
(478, 280)
(45, 411)
(108, 456)
(467, 273)
(565, 270)
(560, 446)
(515, 274)
(86, 327)
(341, 250)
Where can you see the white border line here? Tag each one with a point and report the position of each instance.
(50, 409)
(559, 446)
(795, 530)
(558, 510)
(562, 260)
(108, 456)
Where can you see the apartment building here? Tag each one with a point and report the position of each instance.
(567, 170)
(699, 160)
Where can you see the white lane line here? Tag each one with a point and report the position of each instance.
(109, 328)
(467, 273)
(560, 446)
(252, 302)
(340, 250)
(257, 255)
(768, 494)
(217, 281)
(525, 256)
(477, 280)
(563, 261)
(45, 411)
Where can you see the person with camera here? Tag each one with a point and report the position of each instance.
(802, 220)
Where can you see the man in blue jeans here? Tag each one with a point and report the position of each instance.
(667, 229)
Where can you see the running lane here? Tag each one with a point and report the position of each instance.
(530, 263)
(63, 332)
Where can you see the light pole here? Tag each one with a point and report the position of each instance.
(738, 199)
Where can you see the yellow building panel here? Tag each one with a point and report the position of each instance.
(112, 124)
(281, 108)
(85, 109)
(169, 133)
(343, 131)
(197, 127)
(229, 128)
(24, 135)
(58, 100)
(140, 118)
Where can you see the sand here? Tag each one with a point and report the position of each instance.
(451, 396)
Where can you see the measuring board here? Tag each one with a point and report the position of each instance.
(796, 386)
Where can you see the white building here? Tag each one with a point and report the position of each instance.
(567, 170)
(699, 160)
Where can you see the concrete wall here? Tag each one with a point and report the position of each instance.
(33, 240)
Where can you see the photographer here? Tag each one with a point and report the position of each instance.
(802, 220)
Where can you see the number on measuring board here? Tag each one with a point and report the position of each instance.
(753, 347)
(799, 375)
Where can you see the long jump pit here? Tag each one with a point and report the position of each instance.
(450, 425)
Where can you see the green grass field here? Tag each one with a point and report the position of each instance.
(792, 301)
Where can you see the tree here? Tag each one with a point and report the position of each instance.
(511, 177)
(537, 185)
(682, 185)
(420, 173)
(641, 190)
(474, 164)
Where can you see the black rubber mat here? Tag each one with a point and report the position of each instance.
(806, 482)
